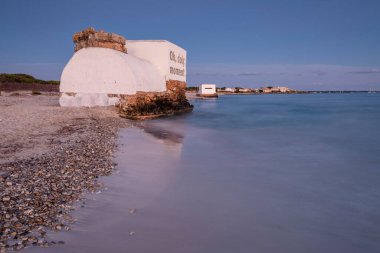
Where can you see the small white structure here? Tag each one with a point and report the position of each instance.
(244, 90)
(229, 90)
(276, 89)
(95, 76)
(207, 90)
(283, 89)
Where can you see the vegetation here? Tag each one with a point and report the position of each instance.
(191, 88)
(23, 78)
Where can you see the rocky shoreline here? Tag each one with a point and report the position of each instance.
(39, 189)
(148, 105)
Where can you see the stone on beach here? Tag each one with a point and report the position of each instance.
(38, 190)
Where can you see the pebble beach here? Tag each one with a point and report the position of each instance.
(49, 157)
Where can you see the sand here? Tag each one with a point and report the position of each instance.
(32, 125)
(49, 157)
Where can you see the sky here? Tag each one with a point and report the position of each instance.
(302, 44)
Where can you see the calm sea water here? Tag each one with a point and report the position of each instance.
(271, 173)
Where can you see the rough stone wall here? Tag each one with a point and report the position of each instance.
(145, 105)
(92, 38)
(175, 86)
(176, 89)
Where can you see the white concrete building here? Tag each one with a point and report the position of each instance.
(229, 90)
(207, 90)
(283, 89)
(94, 75)
(244, 90)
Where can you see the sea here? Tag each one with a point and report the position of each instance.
(274, 173)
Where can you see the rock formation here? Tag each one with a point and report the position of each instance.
(92, 38)
(145, 105)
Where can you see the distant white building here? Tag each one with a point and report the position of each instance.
(244, 90)
(267, 90)
(229, 89)
(283, 89)
(207, 90)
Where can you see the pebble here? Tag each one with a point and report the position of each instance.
(37, 194)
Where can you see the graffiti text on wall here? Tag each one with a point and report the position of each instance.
(178, 72)
(177, 58)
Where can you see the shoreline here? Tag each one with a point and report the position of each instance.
(49, 157)
(192, 94)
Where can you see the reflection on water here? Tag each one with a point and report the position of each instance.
(289, 174)
(162, 133)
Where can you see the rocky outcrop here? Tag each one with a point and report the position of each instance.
(92, 38)
(145, 105)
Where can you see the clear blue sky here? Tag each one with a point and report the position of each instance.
(308, 44)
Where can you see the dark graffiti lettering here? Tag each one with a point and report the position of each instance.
(177, 59)
(178, 72)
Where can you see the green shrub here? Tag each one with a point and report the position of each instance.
(191, 88)
(23, 78)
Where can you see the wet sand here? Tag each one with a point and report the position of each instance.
(120, 218)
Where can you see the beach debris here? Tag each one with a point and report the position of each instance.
(132, 210)
(132, 233)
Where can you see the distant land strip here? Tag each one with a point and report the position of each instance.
(16, 82)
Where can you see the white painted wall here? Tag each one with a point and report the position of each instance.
(207, 89)
(93, 73)
(87, 99)
(163, 54)
(107, 71)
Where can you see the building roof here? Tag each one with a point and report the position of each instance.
(147, 41)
